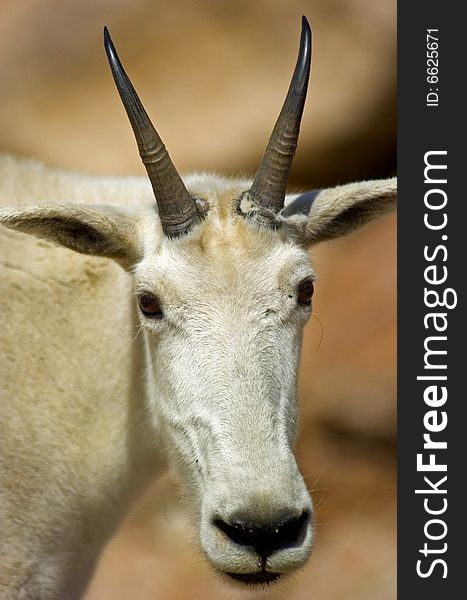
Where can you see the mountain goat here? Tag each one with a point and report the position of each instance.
(181, 351)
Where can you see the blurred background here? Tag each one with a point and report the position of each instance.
(213, 75)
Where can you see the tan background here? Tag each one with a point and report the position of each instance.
(213, 74)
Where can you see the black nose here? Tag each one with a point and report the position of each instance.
(266, 539)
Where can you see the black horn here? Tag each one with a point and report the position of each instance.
(270, 183)
(178, 211)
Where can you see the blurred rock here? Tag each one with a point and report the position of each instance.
(213, 75)
(350, 379)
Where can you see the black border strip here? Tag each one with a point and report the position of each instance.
(423, 128)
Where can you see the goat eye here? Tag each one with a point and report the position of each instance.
(305, 291)
(149, 305)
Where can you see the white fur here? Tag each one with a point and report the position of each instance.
(93, 409)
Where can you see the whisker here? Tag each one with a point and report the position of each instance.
(322, 330)
(137, 333)
(317, 477)
(318, 505)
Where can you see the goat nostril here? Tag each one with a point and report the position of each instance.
(266, 539)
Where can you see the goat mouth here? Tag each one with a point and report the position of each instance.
(258, 578)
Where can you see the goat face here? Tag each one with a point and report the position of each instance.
(223, 311)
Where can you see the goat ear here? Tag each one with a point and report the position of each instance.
(326, 214)
(97, 230)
